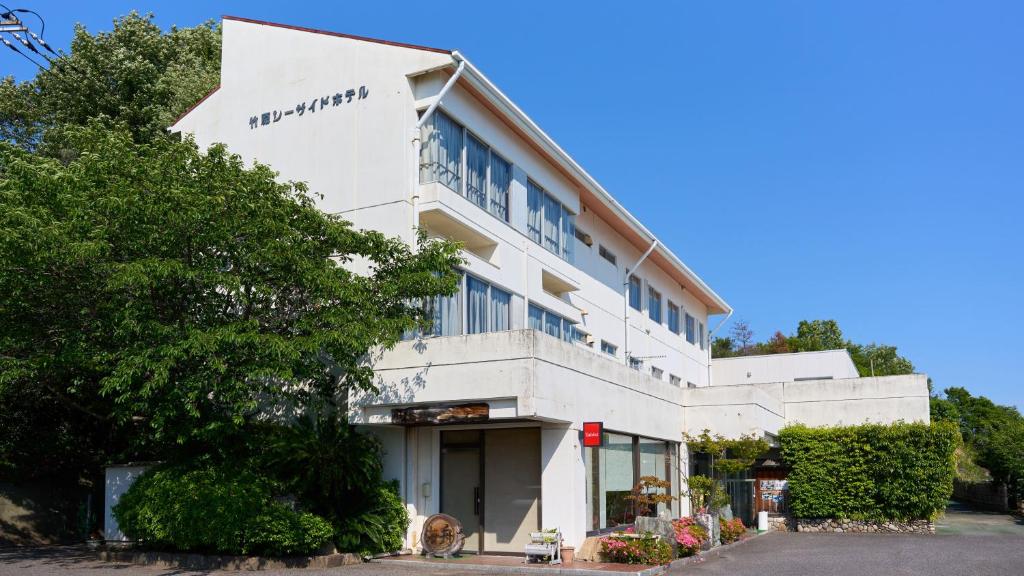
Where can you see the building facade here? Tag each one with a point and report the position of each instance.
(570, 310)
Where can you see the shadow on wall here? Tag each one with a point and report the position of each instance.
(401, 391)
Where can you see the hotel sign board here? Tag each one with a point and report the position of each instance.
(441, 414)
(593, 434)
(342, 98)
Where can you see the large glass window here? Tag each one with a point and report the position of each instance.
(476, 171)
(488, 176)
(501, 182)
(613, 470)
(441, 151)
(654, 304)
(634, 292)
(477, 307)
(553, 324)
(691, 331)
(673, 317)
(550, 224)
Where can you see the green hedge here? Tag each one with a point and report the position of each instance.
(209, 510)
(870, 472)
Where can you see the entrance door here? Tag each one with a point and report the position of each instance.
(490, 482)
(461, 490)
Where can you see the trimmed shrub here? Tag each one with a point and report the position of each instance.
(871, 471)
(216, 511)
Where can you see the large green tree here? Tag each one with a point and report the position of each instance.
(181, 293)
(134, 74)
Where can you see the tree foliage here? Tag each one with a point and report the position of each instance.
(188, 291)
(814, 336)
(870, 472)
(135, 74)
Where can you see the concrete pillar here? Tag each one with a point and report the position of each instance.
(563, 488)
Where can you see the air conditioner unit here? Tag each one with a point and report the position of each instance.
(589, 339)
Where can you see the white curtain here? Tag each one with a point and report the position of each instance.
(552, 228)
(536, 318)
(568, 236)
(476, 306)
(500, 309)
(501, 181)
(476, 171)
(441, 151)
(534, 205)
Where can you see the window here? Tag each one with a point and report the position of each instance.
(606, 254)
(488, 176)
(673, 317)
(441, 151)
(635, 363)
(654, 304)
(553, 324)
(609, 348)
(476, 308)
(675, 380)
(634, 292)
(691, 333)
(582, 337)
(658, 373)
(612, 470)
(548, 223)
(700, 335)
(500, 183)
(691, 385)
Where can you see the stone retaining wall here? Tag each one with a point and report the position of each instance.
(893, 527)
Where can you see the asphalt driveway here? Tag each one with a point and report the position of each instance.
(966, 543)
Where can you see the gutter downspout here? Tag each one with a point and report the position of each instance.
(724, 320)
(416, 130)
(625, 301)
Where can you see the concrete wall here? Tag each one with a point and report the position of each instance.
(825, 364)
(759, 408)
(118, 480)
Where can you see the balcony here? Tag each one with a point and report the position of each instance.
(521, 375)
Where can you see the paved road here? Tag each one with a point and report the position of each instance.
(966, 544)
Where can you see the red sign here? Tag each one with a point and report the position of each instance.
(593, 433)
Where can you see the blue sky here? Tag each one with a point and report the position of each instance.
(860, 161)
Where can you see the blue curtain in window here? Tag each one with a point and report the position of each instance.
(476, 171)
(552, 224)
(634, 292)
(476, 306)
(553, 324)
(568, 235)
(500, 301)
(536, 318)
(569, 332)
(443, 146)
(534, 209)
(501, 181)
(690, 337)
(673, 318)
(654, 304)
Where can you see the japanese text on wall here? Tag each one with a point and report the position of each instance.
(303, 108)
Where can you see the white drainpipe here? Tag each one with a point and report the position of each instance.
(625, 301)
(414, 179)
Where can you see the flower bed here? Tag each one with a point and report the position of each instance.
(731, 530)
(628, 548)
(689, 535)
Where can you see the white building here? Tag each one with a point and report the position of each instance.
(570, 311)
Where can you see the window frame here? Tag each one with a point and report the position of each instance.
(673, 326)
(639, 306)
(609, 348)
(653, 304)
(691, 329)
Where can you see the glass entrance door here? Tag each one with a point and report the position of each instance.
(461, 489)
